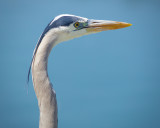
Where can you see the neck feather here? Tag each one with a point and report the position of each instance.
(43, 88)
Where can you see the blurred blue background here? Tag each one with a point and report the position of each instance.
(106, 80)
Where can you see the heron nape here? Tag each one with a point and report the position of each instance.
(61, 28)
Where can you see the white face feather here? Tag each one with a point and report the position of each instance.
(65, 33)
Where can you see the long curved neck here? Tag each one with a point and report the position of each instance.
(43, 88)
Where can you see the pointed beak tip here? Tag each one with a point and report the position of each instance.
(129, 24)
(123, 24)
(120, 25)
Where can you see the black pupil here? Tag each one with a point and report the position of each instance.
(76, 24)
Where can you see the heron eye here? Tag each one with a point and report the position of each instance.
(76, 24)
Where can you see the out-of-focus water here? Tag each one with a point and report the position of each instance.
(106, 80)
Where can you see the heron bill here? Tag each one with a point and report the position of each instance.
(104, 25)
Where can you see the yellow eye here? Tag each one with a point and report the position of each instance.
(76, 24)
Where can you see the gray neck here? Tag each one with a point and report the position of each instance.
(43, 88)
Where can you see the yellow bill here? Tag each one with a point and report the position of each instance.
(104, 25)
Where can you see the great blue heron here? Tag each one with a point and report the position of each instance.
(61, 28)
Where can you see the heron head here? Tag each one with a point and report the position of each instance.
(70, 26)
(65, 27)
